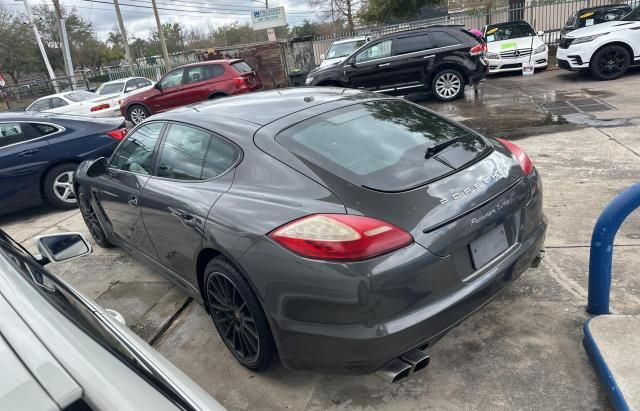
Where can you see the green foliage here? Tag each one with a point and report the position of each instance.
(383, 11)
(18, 48)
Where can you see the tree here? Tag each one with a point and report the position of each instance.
(18, 48)
(173, 38)
(384, 11)
(338, 9)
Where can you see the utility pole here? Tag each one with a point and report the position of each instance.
(123, 33)
(52, 75)
(64, 41)
(266, 3)
(163, 45)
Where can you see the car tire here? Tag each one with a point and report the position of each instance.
(237, 315)
(58, 186)
(91, 219)
(137, 114)
(610, 62)
(447, 85)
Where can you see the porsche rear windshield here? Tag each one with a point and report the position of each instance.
(508, 31)
(379, 144)
(78, 96)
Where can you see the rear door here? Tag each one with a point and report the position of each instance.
(200, 82)
(372, 67)
(119, 191)
(414, 57)
(192, 172)
(24, 153)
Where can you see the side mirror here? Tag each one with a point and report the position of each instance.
(99, 167)
(322, 57)
(352, 62)
(63, 247)
(158, 86)
(541, 33)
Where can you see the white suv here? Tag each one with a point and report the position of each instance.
(607, 49)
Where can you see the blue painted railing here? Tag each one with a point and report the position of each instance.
(601, 256)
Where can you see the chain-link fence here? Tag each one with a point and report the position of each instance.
(546, 16)
(18, 97)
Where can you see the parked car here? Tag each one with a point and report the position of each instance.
(190, 84)
(77, 103)
(607, 50)
(512, 44)
(62, 351)
(40, 152)
(594, 15)
(340, 228)
(118, 90)
(441, 59)
(341, 49)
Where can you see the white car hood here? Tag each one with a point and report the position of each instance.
(521, 43)
(331, 62)
(603, 28)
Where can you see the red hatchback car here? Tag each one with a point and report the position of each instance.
(190, 84)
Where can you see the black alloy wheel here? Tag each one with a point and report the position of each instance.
(610, 63)
(237, 315)
(91, 220)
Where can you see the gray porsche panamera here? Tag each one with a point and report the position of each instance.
(344, 231)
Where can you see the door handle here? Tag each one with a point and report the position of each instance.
(384, 64)
(187, 219)
(133, 201)
(28, 153)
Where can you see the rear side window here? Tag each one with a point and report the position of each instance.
(58, 102)
(412, 44)
(213, 71)
(241, 67)
(379, 144)
(44, 129)
(190, 153)
(443, 39)
(143, 83)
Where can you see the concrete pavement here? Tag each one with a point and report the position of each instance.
(523, 351)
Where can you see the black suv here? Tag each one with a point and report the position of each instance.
(594, 15)
(441, 59)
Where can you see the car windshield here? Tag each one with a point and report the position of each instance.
(508, 31)
(633, 16)
(66, 301)
(379, 144)
(589, 18)
(344, 49)
(78, 96)
(110, 88)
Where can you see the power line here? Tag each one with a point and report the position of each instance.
(204, 6)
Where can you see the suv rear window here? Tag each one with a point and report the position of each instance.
(242, 67)
(380, 144)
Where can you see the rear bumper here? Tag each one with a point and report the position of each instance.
(362, 349)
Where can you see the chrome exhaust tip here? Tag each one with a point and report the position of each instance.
(538, 260)
(416, 358)
(394, 371)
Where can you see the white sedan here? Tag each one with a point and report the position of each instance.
(78, 103)
(510, 45)
(118, 90)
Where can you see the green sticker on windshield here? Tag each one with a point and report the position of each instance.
(491, 31)
(507, 46)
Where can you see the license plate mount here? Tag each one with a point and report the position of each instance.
(488, 246)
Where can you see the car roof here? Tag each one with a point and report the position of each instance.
(508, 23)
(606, 7)
(120, 80)
(250, 108)
(438, 27)
(220, 61)
(350, 40)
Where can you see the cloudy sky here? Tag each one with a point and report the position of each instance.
(139, 21)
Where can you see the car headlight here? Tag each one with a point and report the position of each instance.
(491, 55)
(540, 49)
(587, 39)
(308, 81)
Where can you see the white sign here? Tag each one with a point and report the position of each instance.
(268, 18)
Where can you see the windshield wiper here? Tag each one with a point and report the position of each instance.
(435, 149)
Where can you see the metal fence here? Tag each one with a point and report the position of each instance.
(545, 16)
(151, 71)
(21, 96)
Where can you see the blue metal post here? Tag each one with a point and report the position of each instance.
(601, 256)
